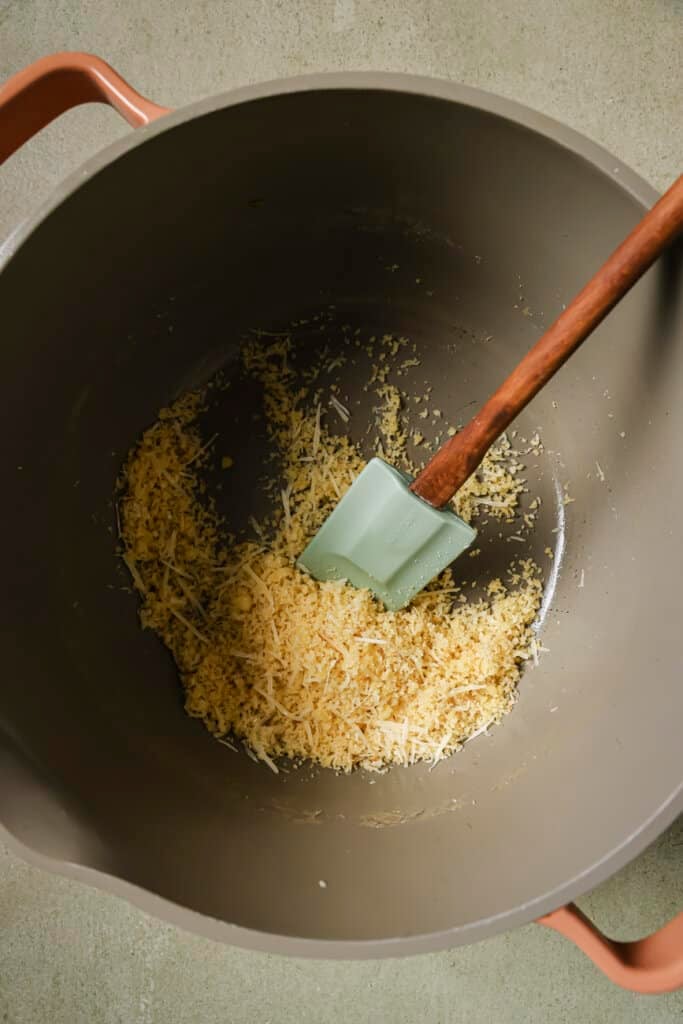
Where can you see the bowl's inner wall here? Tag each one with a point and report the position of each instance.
(139, 285)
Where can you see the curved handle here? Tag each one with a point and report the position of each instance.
(651, 965)
(458, 458)
(41, 92)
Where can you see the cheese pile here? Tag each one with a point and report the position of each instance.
(292, 667)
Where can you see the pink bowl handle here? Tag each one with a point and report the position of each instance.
(35, 96)
(653, 964)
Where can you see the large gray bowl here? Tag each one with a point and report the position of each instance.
(135, 281)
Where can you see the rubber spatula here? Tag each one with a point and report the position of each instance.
(391, 534)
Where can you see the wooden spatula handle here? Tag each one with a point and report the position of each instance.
(458, 458)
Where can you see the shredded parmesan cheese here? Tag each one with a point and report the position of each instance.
(292, 667)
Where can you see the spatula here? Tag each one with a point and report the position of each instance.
(391, 534)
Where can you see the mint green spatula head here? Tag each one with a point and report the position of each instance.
(383, 538)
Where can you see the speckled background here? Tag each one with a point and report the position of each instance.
(612, 69)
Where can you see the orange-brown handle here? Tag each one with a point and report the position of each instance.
(651, 965)
(458, 458)
(35, 96)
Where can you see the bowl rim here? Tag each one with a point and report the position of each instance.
(378, 81)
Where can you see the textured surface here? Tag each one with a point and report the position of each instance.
(70, 954)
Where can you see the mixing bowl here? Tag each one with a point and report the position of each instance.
(465, 222)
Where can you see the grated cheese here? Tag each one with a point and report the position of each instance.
(293, 667)
(340, 409)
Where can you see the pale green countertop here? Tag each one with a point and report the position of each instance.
(73, 955)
